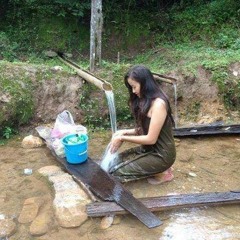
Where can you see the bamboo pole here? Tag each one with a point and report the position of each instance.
(103, 85)
(163, 78)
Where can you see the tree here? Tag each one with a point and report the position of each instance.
(96, 34)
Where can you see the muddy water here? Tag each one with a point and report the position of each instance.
(203, 165)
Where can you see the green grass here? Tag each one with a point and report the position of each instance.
(187, 57)
(182, 39)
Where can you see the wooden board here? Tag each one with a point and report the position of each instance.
(207, 130)
(99, 209)
(108, 188)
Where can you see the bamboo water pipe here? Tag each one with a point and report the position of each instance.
(163, 78)
(103, 85)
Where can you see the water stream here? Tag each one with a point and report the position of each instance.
(215, 160)
(112, 110)
(175, 105)
(108, 158)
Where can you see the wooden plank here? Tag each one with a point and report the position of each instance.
(108, 188)
(207, 130)
(99, 209)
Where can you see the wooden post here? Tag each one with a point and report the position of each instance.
(96, 34)
(118, 58)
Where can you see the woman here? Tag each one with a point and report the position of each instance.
(151, 110)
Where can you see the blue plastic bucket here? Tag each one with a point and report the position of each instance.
(76, 152)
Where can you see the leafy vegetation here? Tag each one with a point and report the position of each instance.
(8, 132)
(16, 92)
(166, 36)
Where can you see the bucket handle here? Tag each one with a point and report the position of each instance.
(82, 153)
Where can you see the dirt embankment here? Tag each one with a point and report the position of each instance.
(199, 100)
(196, 100)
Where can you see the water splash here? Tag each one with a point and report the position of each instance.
(109, 159)
(175, 104)
(112, 110)
(198, 224)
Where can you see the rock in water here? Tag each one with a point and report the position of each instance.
(30, 209)
(7, 228)
(70, 200)
(107, 221)
(40, 224)
(32, 142)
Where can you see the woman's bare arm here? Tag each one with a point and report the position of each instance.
(125, 132)
(158, 114)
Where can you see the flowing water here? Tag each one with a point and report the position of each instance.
(108, 158)
(112, 110)
(175, 105)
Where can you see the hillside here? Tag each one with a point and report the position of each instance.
(198, 44)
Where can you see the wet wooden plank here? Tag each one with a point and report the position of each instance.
(107, 188)
(207, 130)
(99, 209)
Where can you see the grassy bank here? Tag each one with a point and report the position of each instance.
(177, 39)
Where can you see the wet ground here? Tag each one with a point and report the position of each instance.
(204, 164)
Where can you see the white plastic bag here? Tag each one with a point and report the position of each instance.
(109, 159)
(64, 125)
(58, 147)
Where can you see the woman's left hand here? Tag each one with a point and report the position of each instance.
(115, 144)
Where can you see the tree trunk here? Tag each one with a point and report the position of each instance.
(96, 34)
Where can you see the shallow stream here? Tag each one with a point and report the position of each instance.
(204, 164)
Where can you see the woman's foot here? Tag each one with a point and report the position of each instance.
(159, 178)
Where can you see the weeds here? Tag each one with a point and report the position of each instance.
(9, 132)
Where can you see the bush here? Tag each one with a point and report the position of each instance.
(7, 47)
(17, 89)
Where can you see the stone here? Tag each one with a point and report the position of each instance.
(192, 174)
(65, 182)
(70, 200)
(117, 220)
(69, 217)
(235, 73)
(50, 171)
(32, 142)
(7, 228)
(50, 53)
(30, 209)
(40, 224)
(107, 222)
(57, 68)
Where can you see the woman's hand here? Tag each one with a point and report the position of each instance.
(115, 143)
(119, 133)
(124, 132)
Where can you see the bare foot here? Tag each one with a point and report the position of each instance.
(159, 178)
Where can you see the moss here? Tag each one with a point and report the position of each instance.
(192, 110)
(229, 86)
(18, 89)
(58, 33)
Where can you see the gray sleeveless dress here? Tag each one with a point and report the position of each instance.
(147, 160)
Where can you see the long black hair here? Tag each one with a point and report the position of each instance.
(149, 91)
